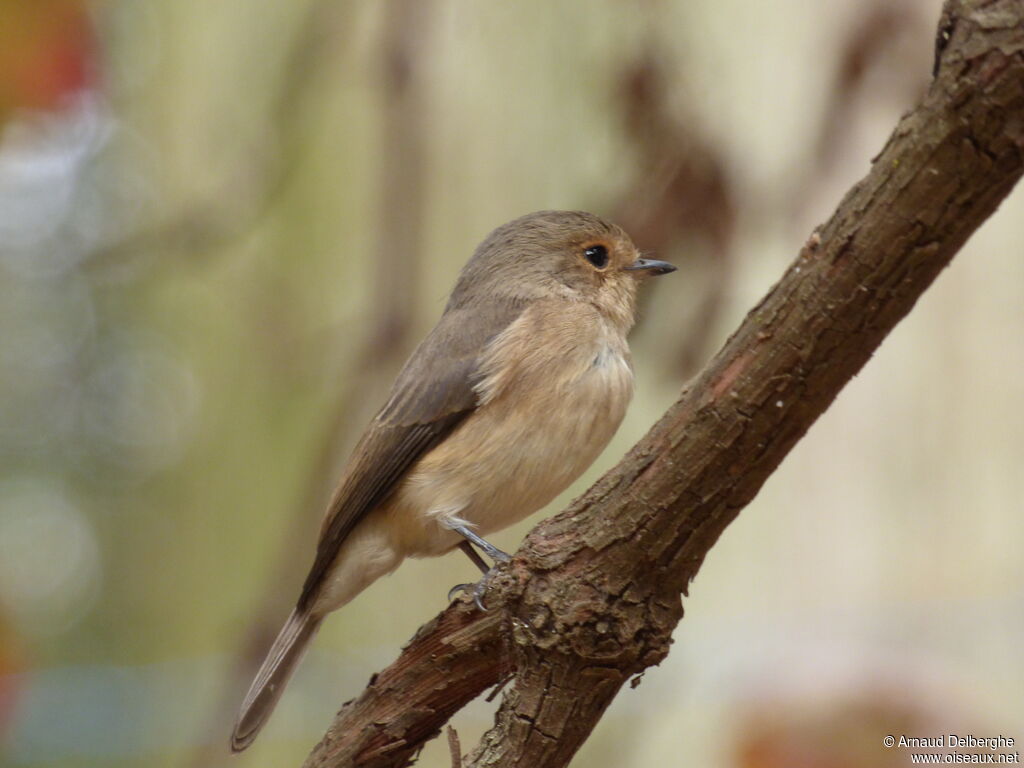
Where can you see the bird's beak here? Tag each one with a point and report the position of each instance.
(651, 267)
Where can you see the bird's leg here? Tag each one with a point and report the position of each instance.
(473, 555)
(488, 549)
(491, 551)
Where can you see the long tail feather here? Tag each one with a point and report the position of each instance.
(284, 656)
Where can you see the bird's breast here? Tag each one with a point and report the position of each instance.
(551, 401)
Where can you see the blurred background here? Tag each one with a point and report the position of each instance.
(224, 225)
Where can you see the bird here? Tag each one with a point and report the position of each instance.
(511, 396)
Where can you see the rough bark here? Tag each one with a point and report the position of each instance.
(593, 595)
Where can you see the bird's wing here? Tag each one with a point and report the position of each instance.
(433, 393)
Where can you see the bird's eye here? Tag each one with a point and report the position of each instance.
(597, 255)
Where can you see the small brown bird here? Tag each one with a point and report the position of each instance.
(515, 392)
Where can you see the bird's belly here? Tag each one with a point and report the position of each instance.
(512, 456)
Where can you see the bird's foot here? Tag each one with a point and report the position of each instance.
(478, 589)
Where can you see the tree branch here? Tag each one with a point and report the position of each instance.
(593, 595)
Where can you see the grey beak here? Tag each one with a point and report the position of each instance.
(651, 266)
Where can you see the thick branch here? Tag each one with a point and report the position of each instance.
(593, 595)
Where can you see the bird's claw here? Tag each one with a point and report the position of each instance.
(477, 590)
(459, 588)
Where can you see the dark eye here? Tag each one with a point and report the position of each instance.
(597, 255)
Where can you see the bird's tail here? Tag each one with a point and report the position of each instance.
(284, 656)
